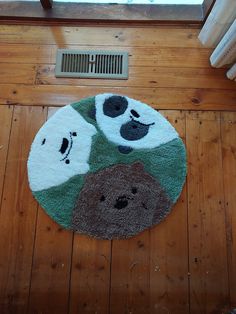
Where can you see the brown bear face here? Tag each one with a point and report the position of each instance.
(119, 202)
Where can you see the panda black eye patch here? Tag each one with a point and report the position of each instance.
(133, 131)
(115, 106)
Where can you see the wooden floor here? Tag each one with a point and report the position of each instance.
(187, 264)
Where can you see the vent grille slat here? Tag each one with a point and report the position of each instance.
(97, 64)
(103, 64)
(75, 63)
(80, 63)
(111, 64)
(117, 64)
(106, 64)
(91, 64)
(86, 64)
(70, 62)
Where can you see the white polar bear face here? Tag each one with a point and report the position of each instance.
(130, 123)
(60, 149)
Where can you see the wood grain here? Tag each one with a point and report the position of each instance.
(169, 289)
(90, 275)
(228, 137)
(153, 77)
(17, 73)
(27, 53)
(51, 111)
(51, 265)
(49, 291)
(130, 278)
(138, 56)
(206, 214)
(105, 36)
(5, 122)
(159, 98)
(18, 214)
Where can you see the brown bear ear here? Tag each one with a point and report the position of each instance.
(120, 167)
(138, 166)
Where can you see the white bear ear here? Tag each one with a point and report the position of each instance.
(90, 130)
(85, 127)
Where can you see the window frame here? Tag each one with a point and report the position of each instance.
(57, 13)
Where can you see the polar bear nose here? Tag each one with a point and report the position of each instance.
(64, 145)
(115, 106)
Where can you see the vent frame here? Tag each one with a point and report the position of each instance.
(119, 63)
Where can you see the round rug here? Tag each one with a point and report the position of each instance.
(107, 166)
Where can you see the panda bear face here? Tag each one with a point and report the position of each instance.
(60, 149)
(130, 123)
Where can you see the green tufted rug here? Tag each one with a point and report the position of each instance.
(107, 166)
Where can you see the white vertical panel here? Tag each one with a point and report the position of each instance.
(218, 22)
(225, 52)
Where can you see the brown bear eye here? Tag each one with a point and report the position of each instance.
(102, 198)
(134, 190)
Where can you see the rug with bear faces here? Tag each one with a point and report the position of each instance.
(107, 166)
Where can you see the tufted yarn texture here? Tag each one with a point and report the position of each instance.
(107, 166)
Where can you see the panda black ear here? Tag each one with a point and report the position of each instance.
(92, 113)
(115, 106)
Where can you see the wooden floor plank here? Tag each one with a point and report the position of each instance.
(17, 73)
(228, 137)
(27, 53)
(159, 98)
(138, 56)
(5, 123)
(169, 290)
(18, 214)
(113, 36)
(153, 77)
(90, 275)
(130, 278)
(51, 267)
(207, 236)
(51, 111)
(49, 291)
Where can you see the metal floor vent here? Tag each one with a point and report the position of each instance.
(91, 64)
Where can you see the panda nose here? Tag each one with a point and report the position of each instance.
(134, 113)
